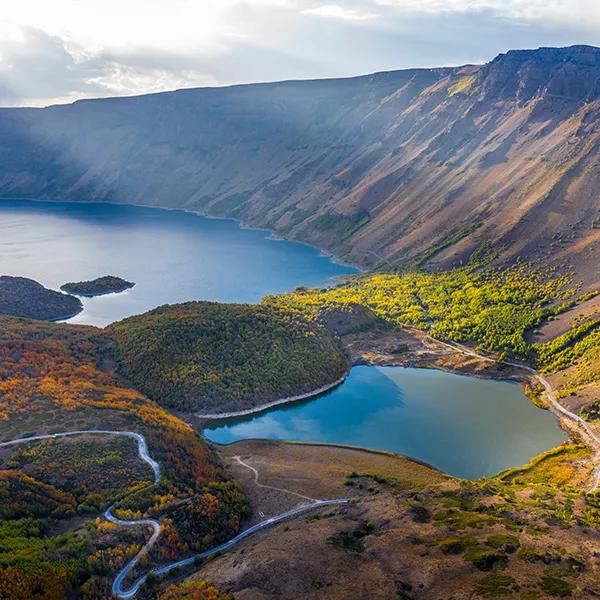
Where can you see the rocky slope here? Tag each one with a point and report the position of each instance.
(421, 166)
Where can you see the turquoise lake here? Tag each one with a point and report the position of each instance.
(464, 426)
(171, 255)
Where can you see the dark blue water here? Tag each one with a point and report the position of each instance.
(464, 426)
(172, 256)
(467, 427)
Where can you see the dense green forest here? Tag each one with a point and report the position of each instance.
(97, 287)
(22, 297)
(209, 357)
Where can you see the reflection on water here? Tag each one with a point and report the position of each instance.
(172, 256)
(464, 426)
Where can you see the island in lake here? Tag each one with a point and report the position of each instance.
(23, 297)
(100, 286)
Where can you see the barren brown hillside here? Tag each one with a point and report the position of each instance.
(421, 166)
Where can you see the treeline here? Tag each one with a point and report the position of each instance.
(209, 357)
(493, 308)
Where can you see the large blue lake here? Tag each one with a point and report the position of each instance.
(172, 256)
(467, 427)
(464, 426)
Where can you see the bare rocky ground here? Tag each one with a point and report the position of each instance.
(410, 532)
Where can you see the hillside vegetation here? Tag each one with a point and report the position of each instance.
(52, 493)
(219, 357)
(492, 308)
(530, 533)
(22, 297)
(203, 356)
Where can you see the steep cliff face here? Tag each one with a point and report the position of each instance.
(422, 166)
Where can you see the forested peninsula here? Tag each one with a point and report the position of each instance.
(211, 358)
(23, 297)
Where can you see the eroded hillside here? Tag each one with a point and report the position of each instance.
(416, 166)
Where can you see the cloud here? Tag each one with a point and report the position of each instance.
(67, 49)
(40, 68)
(334, 11)
(576, 11)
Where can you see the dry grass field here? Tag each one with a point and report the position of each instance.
(410, 532)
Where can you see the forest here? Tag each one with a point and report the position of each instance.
(23, 297)
(492, 308)
(204, 356)
(53, 542)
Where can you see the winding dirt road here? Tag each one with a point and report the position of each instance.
(557, 408)
(117, 586)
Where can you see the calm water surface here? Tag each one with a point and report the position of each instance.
(464, 426)
(467, 427)
(172, 256)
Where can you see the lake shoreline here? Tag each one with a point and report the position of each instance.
(176, 256)
(272, 235)
(392, 361)
(272, 404)
(460, 365)
(391, 410)
(463, 369)
(375, 451)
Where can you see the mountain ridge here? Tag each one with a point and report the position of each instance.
(418, 166)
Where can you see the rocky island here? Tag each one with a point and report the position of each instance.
(100, 286)
(23, 297)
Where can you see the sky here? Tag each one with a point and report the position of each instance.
(56, 51)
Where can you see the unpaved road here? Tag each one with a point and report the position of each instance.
(556, 407)
(117, 586)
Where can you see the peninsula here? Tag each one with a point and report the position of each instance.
(23, 297)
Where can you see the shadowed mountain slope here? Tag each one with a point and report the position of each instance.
(417, 166)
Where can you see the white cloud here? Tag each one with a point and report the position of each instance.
(334, 11)
(579, 11)
(66, 49)
(39, 68)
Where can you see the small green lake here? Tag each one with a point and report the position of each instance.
(464, 426)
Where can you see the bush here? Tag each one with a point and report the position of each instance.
(486, 560)
(556, 586)
(494, 585)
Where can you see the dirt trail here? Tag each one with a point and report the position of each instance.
(117, 586)
(555, 406)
